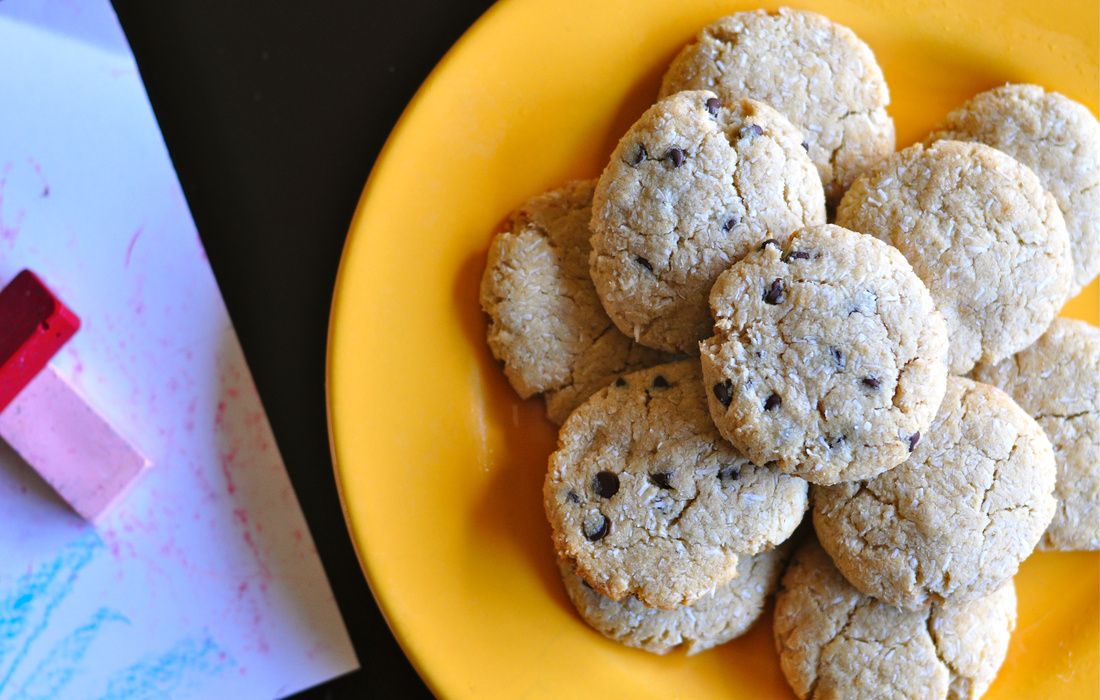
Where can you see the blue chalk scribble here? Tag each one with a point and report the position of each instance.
(28, 602)
(62, 662)
(171, 673)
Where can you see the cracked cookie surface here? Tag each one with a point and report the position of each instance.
(817, 73)
(982, 233)
(1057, 381)
(1059, 140)
(645, 498)
(694, 184)
(835, 642)
(955, 520)
(546, 324)
(714, 619)
(828, 357)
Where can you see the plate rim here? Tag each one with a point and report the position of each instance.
(433, 683)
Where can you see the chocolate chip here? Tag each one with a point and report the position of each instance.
(796, 255)
(572, 496)
(644, 263)
(769, 242)
(620, 382)
(723, 391)
(774, 293)
(773, 402)
(659, 382)
(730, 223)
(871, 382)
(606, 484)
(729, 473)
(640, 154)
(661, 479)
(838, 357)
(806, 146)
(676, 155)
(597, 528)
(712, 106)
(751, 131)
(913, 440)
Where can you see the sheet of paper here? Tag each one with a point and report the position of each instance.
(204, 582)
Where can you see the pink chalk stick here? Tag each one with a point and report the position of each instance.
(71, 446)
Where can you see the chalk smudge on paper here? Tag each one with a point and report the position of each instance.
(168, 673)
(58, 666)
(26, 609)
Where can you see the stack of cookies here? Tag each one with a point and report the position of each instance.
(721, 361)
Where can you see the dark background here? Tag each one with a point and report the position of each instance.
(273, 113)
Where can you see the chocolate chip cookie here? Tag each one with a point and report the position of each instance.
(545, 322)
(982, 233)
(695, 184)
(1057, 381)
(714, 619)
(835, 642)
(955, 520)
(646, 499)
(828, 356)
(817, 73)
(1059, 140)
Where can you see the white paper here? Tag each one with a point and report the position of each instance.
(204, 582)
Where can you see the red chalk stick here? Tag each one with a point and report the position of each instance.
(34, 325)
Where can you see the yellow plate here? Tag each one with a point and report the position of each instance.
(440, 465)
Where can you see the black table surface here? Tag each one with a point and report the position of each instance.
(273, 114)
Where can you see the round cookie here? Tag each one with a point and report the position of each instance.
(1059, 140)
(817, 73)
(835, 642)
(828, 358)
(955, 520)
(645, 498)
(982, 233)
(714, 619)
(693, 185)
(1057, 381)
(545, 322)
